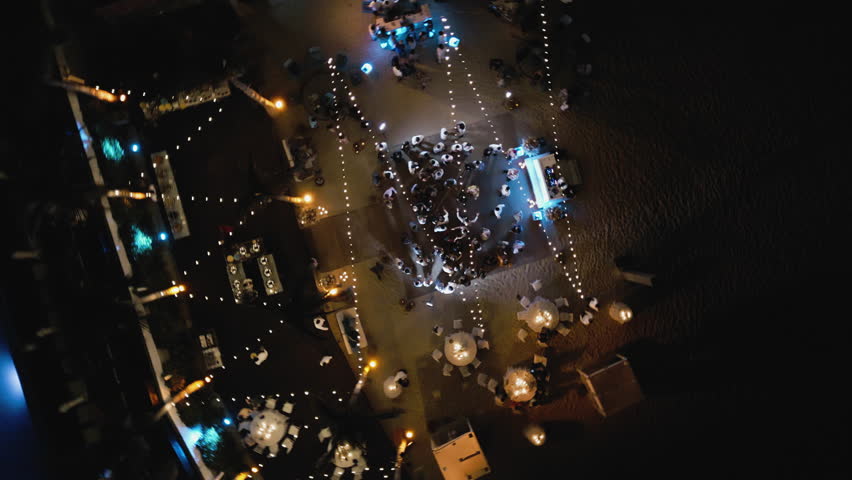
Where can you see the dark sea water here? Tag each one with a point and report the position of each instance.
(712, 149)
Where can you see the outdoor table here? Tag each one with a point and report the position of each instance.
(391, 388)
(345, 455)
(460, 348)
(519, 384)
(268, 428)
(541, 313)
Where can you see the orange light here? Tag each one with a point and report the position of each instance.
(409, 434)
(254, 470)
(279, 104)
(373, 363)
(333, 291)
(308, 198)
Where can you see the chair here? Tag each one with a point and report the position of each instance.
(536, 285)
(492, 386)
(259, 449)
(447, 369)
(319, 323)
(476, 363)
(561, 302)
(593, 303)
(563, 330)
(482, 379)
(438, 330)
(478, 332)
(338, 472)
(566, 317)
(273, 451)
(287, 444)
(270, 403)
(436, 355)
(525, 302)
(293, 431)
(540, 359)
(586, 318)
(522, 335)
(323, 434)
(522, 315)
(483, 344)
(457, 323)
(464, 371)
(287, 408)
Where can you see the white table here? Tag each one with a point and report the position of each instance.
(541, 313)
(519, 384)
(460, 348)
(391, 388)
(268, 428)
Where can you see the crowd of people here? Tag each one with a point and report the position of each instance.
(438, 181)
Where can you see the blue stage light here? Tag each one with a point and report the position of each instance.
(453, 42)
(134, 147)
(163, 236)
(431, 34)
(537, 215)
(401, 30)
(383, 44)
(226, 421)
(367, 68)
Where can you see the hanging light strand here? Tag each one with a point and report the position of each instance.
(475, 309)
(570, 271)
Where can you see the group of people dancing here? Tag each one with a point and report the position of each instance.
(438, 181)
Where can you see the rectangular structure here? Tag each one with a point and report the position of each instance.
(351, 330)
(169, 195)
(185, 99)
(458, 453)
(543, 184)
(269, 275)
(236, 276)
(612, 385)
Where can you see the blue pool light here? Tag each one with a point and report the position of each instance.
(163, 236)
(367, 68)
(134, 147)
(226, 421)
(453, 42)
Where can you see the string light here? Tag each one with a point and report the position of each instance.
(574, 277)
(335, 77)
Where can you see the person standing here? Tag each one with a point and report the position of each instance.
(439, 52)
(498, 210)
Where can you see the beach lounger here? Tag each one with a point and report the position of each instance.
(536, 285)
(525, 302)
(293, 431)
